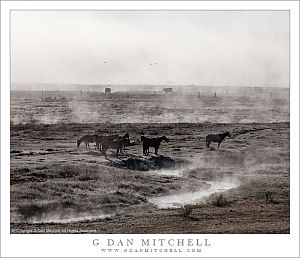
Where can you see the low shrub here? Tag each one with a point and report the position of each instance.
(33, 210)
(68, 172)
(269, 198)
(187, 210)
(221, 201)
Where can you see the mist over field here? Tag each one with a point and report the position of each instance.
(207, 105)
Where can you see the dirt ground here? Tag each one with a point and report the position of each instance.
(59, 188)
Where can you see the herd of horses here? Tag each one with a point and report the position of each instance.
(105, 142)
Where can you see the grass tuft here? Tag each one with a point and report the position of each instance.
(220, 201)
(270, 198)
(187, 210)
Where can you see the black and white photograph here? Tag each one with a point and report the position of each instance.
(150, 122)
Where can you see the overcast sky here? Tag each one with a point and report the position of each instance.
(146, 47)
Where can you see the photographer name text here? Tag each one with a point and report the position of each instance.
(152, 242)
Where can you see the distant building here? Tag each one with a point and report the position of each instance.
(167, 90)
(107, 91)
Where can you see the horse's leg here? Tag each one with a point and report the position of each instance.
(144, 150)
(219, 145)
(156, 149)
(121, 149)
(104, 151)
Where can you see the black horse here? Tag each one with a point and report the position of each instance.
(216, 138)
(152, 142)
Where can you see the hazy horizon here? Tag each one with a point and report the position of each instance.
(150, 48)
(130, 87)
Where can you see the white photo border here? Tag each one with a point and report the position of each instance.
(78, 245)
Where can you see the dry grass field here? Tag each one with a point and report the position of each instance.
(242, 187)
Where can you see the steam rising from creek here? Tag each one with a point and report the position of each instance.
(178, 200)
(190, 193)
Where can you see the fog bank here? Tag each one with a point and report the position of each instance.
(151, 47)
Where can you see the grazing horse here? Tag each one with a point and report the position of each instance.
(116, 143)
(104, 138)
(152, 142)
(127, 140)
(87, 139)
(216, 138)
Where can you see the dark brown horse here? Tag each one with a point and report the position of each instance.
(216, 138)
(116, 143)
(152, 142)
(105, 138)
